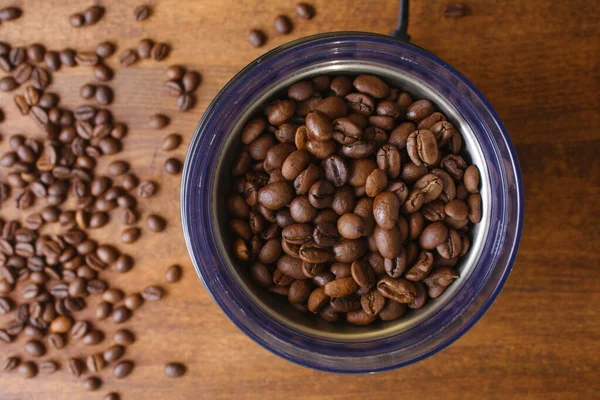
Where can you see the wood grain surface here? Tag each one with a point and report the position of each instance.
(537, 61)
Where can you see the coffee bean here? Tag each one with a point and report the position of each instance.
(128, 57)
(283, 24)
(123, 337)
(27, 369)
(5, 305)
(47, 367)
(75, 367)
(123, 264)
(305, 11)
(190, 81)
(121, 314)
(174, 370)
(92, 383)
(105, 49)
(152, 293)
(93, 14)
(35, 348)
(158, 121)
(159, 51)
(93, 337)
(363, 274)
(112, 354)
(8, 84)
(10, 364)
(123, 369)
(103, 310)
(455, 10)
(156, 223)
(256, 38)
(185, 102)
(173, 274)
(103, 73)
(173, 166)
(61, 324)
(112, 396)
(175, 72)
(141, 13)
(56, 341)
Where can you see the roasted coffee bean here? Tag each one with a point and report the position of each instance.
(173, 274)
(152, 293)
(156, 223)
(173, 166)
(256, 38)
(122, 369)
(159, 51)
(113, 353)
(105, 49)
(141, 13)
(360, 318)
(80, 329)
(433, 235)
(349, 250)
(372, 86)
(372, 303)
(123, 337)
(399, 290)
(283, 24)
(35, 348)
(103, 310)
(93, 337)
(93, 14)
(312, 253)
(75, 367)
(133, 301)
(190, 81)
(421, 268)
(351, 226)
(92, 383)
(441, 276)
(128, 57)
(112, 396)
(56, 341)
(363, 274)
(27, 369)
(121, 314)
(174, 370)
(8, 84)
(341, 287)
(171, 142)
(130, 235)
(10, 364)
(47, 367)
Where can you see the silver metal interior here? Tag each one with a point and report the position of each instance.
(275, 306)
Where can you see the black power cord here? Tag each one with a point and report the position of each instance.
(401, 31)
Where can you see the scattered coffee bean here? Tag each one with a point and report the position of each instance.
(27, 369)
(256, 38)
(174, 370)
(283, 24)
(158, 121)
(105, 49)
(123, 369)
(305, 11)
(173, 274)
(156, 223)
(159, 51)
(113, 353)
(75, 367)
(130, 235)
(171, 142)
(93, 14)
(112, 396)
(123, 337)
(141, 13)
(10, 13)
(455, 10)
(152, 293)
(92, 383)
(173, 166)
(47, 367)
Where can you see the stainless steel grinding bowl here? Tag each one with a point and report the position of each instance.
(276, 307)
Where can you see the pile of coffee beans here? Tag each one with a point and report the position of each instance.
(282, 24)
(352, 199)
(50, 267)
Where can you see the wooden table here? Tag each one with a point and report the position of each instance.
(537, 61)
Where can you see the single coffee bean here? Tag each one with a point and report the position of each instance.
(372, 303)
(113, 353)
(392, 310)
(121, 314)
(127, 58)
(159, 51)
(93, 14)
(130, 235)
(123, 369)
(156, 223)
(141, 13)
(75, 367)
(190, 81)
(312, 253)
(105, 49)
(92, 383)
(152, 293)
(433, 235)
(103, 310)
(171, 142)
(419, 110)
(173, 166)
(95, 362)
(61, 324)
(256, 38)
(158, 121)
(123, 337)
(10, 364)
(112, 396)
(35, 348)
(399, 290)
(174, 370)
(92, 337)
(305, 11)
(360, 318)
(27, 369)
(340, 287)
